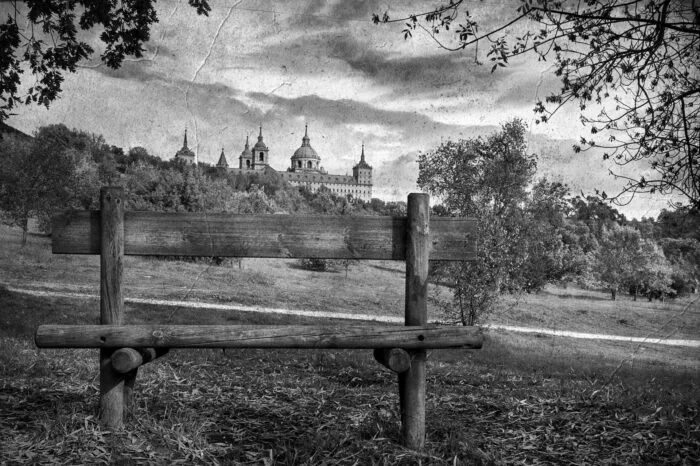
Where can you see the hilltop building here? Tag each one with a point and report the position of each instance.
(305, 167)
(306, 170)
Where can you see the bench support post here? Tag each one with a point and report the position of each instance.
(412, 382)
(112, 383)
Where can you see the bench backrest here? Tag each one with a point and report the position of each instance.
(281, 236)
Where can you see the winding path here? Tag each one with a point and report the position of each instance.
(349, 316)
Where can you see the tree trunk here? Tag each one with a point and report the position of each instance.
(614, 294)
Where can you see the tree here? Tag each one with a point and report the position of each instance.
(35, 179)
(633, 67)
(484, 178)
(50, 45)
(548, 257)
(652, 273)
(617, 258)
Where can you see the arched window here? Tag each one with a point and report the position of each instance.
(308, 164)
(247, 163)
(298, 163)
(262, 156)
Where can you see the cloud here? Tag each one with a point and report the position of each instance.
(345, 111)
(341, 52)
(328, 14)
(395, 179)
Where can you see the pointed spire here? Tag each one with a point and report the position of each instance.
(260, 138)
(362, 163)
(247, 144)
(222, 160)
(184, 143)
(305, 141)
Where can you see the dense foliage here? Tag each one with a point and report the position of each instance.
(630, 66)
(61, 168)
(532, 232)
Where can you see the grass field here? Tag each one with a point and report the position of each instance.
(521, 399)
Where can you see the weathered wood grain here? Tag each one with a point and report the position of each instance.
(127, 359)
(412, 382)
(256, 336)
(280, 236)
(112, 390)
(395, 359)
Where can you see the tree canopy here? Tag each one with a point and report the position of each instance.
(632, 67)
(53, 47)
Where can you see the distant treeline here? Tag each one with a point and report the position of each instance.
(554, 236)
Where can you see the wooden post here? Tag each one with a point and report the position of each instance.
(111, 301)
(412, 382)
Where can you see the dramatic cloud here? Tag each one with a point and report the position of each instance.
(321, 63)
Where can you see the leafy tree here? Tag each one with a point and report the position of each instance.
(617, 257)
(50, 45)
(679, 223)
(35, 179)
(652, 273)
(596, 214)
(484, 178)
(548, 257)
(684, 256)
(632, 66)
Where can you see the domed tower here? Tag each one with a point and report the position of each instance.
(362, 172)
(305, 158)
(260, 153)
(222, 163)
(245, 160)
(185, 153)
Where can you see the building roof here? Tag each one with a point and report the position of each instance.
(247, 153)
(222, 160)
(363, 163)
(305, 151)
(260, 145)
(185, 151)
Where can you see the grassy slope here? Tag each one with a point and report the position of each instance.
(520, 398)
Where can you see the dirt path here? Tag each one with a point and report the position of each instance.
(347, 316)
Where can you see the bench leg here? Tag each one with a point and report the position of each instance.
(412, 401)
(111, 392)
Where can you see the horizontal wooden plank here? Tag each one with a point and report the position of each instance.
(255, 336)
(281, 236)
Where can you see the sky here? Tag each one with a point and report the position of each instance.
(283, 65)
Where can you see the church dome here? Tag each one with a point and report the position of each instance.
(305, 151)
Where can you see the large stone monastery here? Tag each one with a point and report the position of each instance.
(305, 168)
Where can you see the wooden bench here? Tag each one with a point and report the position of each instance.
(112, 233)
